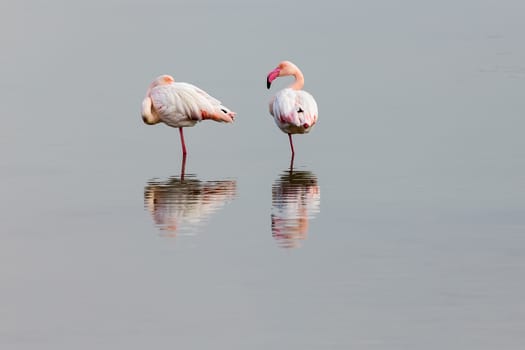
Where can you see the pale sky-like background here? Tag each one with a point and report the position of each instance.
(416, 168)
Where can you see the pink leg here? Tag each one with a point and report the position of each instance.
(291, 144)
(182, 142)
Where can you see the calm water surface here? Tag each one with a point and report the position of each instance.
(401, 224)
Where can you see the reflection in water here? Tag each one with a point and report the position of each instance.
(295, 199)
(181, 204)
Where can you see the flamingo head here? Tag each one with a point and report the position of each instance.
(283, 69)
(272, 76)
(162, 80)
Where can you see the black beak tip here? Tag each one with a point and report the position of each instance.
(268, 84)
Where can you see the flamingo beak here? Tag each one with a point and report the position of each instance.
(271, 77)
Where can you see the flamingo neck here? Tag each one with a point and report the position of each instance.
(299, 80)
(149, 116)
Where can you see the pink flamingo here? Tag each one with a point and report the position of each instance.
(181, 105)
(294, 110)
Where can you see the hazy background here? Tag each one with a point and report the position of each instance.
(415, 196)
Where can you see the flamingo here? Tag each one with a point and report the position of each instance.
(181, 105)
(293, 109)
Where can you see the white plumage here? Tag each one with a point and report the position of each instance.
(294, 111)
(181, 105)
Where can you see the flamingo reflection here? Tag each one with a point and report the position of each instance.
(296, 199)
(181, 204)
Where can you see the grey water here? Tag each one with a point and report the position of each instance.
(400, 225)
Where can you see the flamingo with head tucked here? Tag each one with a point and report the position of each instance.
(293, 109)
(181, 105)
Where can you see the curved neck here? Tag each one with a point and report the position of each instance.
(149, 116)
(299, 80)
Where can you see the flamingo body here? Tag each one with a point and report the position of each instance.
(181, 105)
(293, 109)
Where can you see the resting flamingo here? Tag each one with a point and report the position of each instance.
(294, 110)
(181, 105)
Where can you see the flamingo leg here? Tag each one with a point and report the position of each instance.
(182, 142)
(291, 144)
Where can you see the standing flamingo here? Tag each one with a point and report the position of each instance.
(294, 110)
(181, 105)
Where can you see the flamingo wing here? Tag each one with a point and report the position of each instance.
(179, 103)
(218, 110)
(294, 107)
